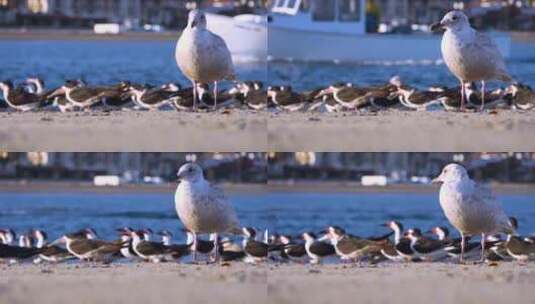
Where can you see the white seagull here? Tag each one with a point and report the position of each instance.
(202, 56)
(470, 55)
(203, 208)
(471, 208)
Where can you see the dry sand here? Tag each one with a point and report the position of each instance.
(128, 131)
(239, 283)
(402, 131)
(240, 130)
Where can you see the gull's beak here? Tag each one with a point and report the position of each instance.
(436, 27)
(437, 180)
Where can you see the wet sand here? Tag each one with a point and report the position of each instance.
(240, 283)
(127, 131)
(402, 131)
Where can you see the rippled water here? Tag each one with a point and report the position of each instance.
(100, 62)
(282, 212)
(104, 62)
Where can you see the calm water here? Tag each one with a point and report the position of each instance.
(281, 212)
(153, 62)
(100, 62)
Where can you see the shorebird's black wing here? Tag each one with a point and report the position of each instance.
(205, 246)
(257, 249)
(7, 251)
(54, 250)
(404, 246)
(85, 93)
(428, 245)
(82, 246)
(228, 256)
(179, 250)
(152, 248)
(322, 249)
(295, 250)
(21, 97)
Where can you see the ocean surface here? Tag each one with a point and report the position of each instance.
(290, 213)
(105, 62)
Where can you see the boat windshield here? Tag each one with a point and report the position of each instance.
(286, 6)
(348, 10)
(331, 10)
(323, 10)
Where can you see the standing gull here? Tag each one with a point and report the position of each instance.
(470, 208)
(202, 56)
(203, 208)
(470, 55)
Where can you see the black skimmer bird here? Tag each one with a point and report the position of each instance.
(521, 96)
(285, 98)
(400, 250)
(519, 248)
(207, 99)
(317, 250)
(453, 246)
(230, 251)
(353, 248)
(492, 100)
(83, 96)
(87, 249)
(127, 251)
(151, 98)
(17, 253)
(179, 250)
(150, 251)
(419, 100)
(204, 247)
(292, 250)
(253, 94)
(50, 253)
(426, 248)
(255, 251)
(349, 96)
(19, 99)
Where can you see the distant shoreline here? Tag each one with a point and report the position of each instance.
(275, 186)
(88, 34)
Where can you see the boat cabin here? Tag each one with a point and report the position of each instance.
(332, 16)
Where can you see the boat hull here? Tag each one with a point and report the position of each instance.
(251, 39)
(246, 39)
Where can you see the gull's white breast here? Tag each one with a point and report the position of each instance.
(203, 208)
(466, 57)
(469, 208)
(203, 56)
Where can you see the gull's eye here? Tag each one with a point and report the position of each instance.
(454, 18)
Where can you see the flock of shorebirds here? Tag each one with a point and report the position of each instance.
(341, 97)
(203, 209)
(334, 244)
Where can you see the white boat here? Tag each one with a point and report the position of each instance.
(326, 30)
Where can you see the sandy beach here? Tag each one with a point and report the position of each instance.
(402, 131)
(240, 283)
(118, 131)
